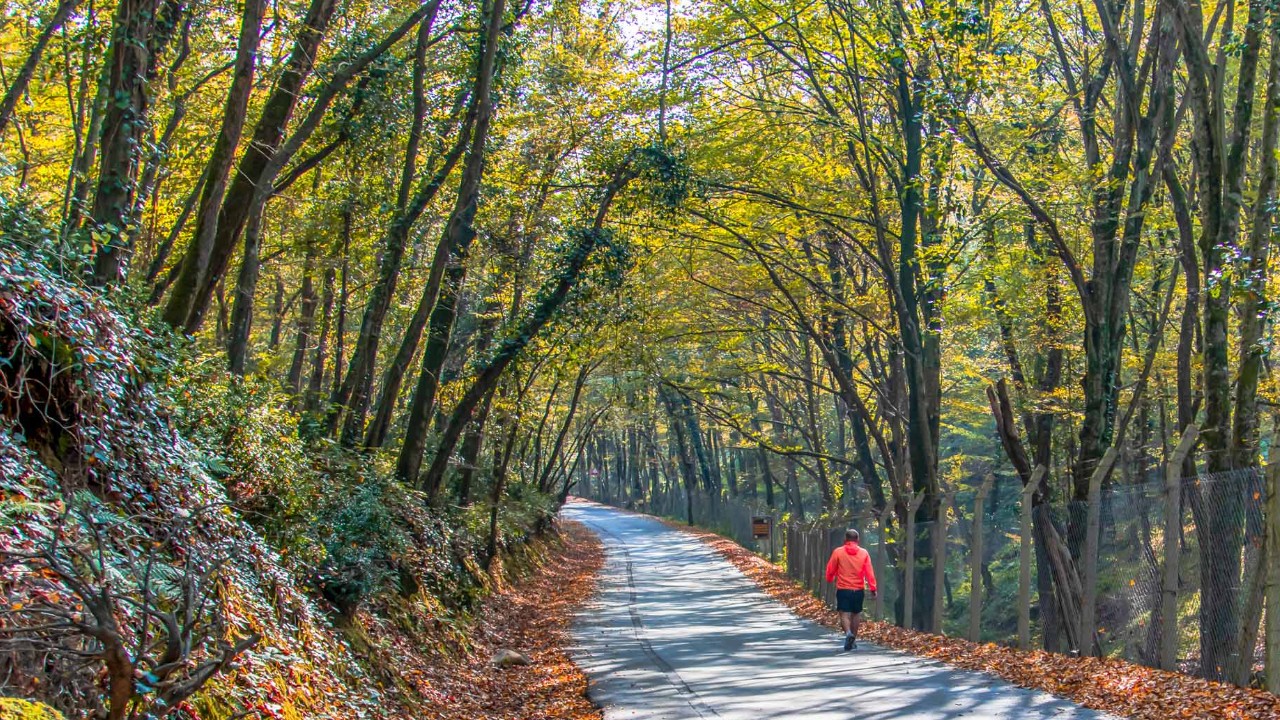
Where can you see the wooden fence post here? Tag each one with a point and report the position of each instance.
(1173, 550)
(975, 561)
(773, 534)
(1088, 610)
(1273, 569)
(909, 571)
(788, 551)
(1253, 599)
(940, 560)
(883, 553)
(1024, 559)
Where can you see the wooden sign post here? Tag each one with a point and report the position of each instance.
(762, 527)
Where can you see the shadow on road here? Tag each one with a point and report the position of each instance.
(677, 632)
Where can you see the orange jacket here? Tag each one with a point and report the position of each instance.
(850, 568)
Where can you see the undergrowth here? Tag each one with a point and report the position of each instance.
(173, 544)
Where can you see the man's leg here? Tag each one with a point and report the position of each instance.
(855, 620)
(846, 623)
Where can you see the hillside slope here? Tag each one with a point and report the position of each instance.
(209, 576)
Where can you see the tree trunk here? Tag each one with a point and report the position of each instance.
(358, 383)
(75, 203)
(340, 332)
(791, 490)
(315, 387)
(458, 234)
(825, 491)
(166, 247)
(216, 235)
(551, 298)
(140, 30)
(246, 288)
(220, 332)
(580, 382)
(696, 443)
(277, 314)
(470, 451)
(732, 461)
(762, 457)
(1254, 308)
(1221, 150)
(393, 377)
(678, 430)
(919, 348)
(306, 317)
(474, 440)
(159, 147)
(499, 485)
(218, 169)
(634, 465)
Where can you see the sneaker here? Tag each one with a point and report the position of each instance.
(849, 643)
(853, 645)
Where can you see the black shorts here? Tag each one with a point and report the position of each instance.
(849, 601)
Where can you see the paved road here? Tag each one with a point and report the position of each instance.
(677, 632)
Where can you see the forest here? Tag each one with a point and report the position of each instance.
(313, 313)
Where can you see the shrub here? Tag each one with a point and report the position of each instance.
(106, 614)
(363, 542)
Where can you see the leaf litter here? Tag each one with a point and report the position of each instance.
(531, 617)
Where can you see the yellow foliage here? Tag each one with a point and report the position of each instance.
(15, 709)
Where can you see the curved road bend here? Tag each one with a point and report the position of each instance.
(676, 632)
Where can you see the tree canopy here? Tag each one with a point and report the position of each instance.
(827, 255)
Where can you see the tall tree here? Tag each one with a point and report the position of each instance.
(1221, 146)
(458, 234)
(141, 29)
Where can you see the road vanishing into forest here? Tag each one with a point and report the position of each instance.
(678, 632)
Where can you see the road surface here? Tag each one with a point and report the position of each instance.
(678, 632)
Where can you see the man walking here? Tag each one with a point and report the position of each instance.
(850, 569)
